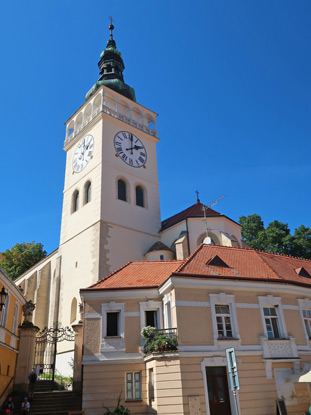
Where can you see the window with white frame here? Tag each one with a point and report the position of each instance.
(271, 321)
(152, 318)
(15, 318)
(167, 311)
(133, 386)
(151, 314)
(4, 313)
(112, 319)
(151, 385)
(272, 317)
(113, 323)
(223, 319)
(306, 315)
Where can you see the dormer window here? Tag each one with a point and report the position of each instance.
(217, 262)
(302, 272)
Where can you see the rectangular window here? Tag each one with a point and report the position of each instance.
(307, 321)
(113, 324)
(151, 385)
(4, 312)
(151, 317)
(133, 386)
(15, 318)
(223, 321)
(271, 320)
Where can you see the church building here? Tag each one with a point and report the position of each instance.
(111, 206)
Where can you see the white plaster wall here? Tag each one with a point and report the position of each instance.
(86, 215)
(155, 256)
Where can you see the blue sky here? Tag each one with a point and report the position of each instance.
(230, 81)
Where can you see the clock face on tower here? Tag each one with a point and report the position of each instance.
(130, 149)
(83, 153)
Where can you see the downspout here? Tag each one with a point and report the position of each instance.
(188, 243)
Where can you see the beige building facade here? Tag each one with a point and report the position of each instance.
(220, 297)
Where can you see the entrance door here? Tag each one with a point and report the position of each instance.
(218, 393)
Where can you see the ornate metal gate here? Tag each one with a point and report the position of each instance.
(46, 350)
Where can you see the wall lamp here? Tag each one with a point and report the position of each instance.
(3, 295)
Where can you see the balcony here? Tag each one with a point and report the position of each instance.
(159, 340)
(279, 348)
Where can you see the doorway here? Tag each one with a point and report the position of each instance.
(218, 392)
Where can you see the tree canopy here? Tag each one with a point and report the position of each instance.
(276, 237)
(21, 257)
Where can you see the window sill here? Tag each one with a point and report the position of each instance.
(133, 400)
(113, 337)
(278, 339)
(227, 338)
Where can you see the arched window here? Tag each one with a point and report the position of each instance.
(140, 196)
(75, 201)
(122, 190)
(73, 313)
(87, 190)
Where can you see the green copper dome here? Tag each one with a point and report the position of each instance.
(111, 67)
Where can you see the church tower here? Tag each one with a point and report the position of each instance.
(111, 208)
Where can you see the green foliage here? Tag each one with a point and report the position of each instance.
(119, 410)
(21, 257)
(276, 237)
(157, 341)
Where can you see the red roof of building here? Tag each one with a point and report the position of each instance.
(239, 263)
(194, 211)
(210, 261)
(140, 274)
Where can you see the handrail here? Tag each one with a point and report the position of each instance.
(7, 387)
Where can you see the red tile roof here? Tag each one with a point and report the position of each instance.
(194, 211)
(144, 274)
(242, 264)
(245, 264)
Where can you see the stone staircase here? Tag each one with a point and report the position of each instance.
(50, 403)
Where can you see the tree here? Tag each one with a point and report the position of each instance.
(276, 237)
(252, 230)
(301, 243)
(21, 257)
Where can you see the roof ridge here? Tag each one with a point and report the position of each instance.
(285, 255)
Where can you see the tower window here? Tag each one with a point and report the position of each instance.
(88, 188)
(75, 201)
(140, 196)
(122, 190)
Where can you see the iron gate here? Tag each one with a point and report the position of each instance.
(46, 350)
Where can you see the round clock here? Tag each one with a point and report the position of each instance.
(130, 149)
(83, 153)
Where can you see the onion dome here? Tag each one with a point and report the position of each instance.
(111, 67)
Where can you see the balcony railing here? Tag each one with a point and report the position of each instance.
(159, 340)
(279, 348)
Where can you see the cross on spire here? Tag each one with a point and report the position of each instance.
(111, 27)
(197, 192)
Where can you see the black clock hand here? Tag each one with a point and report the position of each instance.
(131, 138)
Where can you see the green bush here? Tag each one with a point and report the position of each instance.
(156, 341)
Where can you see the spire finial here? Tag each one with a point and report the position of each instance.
(198, 200)
(111, 27)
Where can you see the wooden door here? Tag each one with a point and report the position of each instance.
(218, 392)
